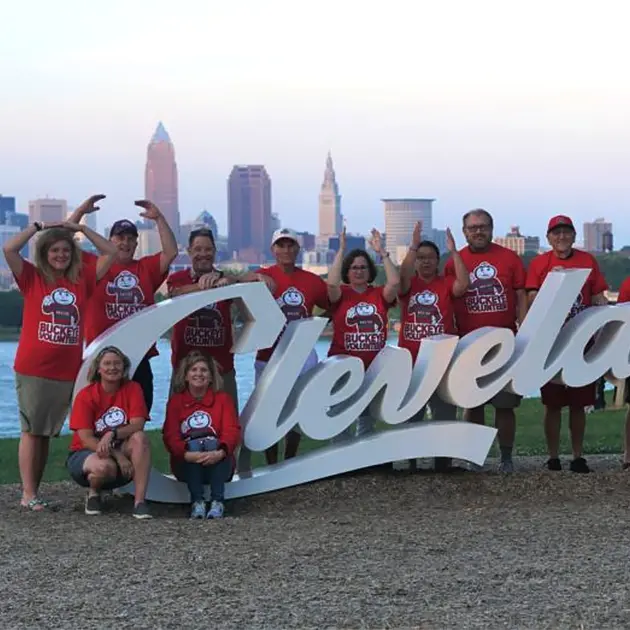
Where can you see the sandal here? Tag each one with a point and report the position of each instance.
(35, 505)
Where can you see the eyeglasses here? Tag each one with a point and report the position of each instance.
(482, 227)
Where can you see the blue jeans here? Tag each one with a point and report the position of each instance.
(197, 476)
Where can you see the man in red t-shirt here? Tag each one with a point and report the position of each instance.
(208, 330)
(297, 292)
(495, 297)
(555, 396)
(624, 298)
(130, 285)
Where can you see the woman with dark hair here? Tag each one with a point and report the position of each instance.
(358, 308)
(109, 447)
(426, 300)
(56, 290)
(201, 432)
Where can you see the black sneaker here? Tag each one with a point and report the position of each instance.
(141, 511)
(579, 465)
(554, 464)
(93, 505)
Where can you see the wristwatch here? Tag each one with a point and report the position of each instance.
(114, 433)
(38, 226)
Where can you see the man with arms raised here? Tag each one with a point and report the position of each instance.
(555, 396)
(297, 292)
(130, 285)
(208, 330)
(495, 297)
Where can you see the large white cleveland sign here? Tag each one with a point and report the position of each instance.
(326, 400)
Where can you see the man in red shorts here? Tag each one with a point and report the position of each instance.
(495, 297)
(555, 396)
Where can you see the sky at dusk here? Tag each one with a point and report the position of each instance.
(523, 109)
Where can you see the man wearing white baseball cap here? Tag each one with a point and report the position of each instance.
(297, 292)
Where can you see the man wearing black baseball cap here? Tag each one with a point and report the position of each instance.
(130, 285)
(555, 396)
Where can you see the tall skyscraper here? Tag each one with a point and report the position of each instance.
(330, 217)
(45, 211)
(598, 236)
(249, 213)
(160, 177)
(401, 215)
(7, 206)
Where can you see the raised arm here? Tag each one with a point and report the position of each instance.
(167, 238)
(392, 279)
(408, 266)
(14, 245)
(106, 248)
(462, 278)
(87, 207)
(333, 281)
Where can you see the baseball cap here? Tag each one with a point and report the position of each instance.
(560, 220)
(284, 233)
(124, 226)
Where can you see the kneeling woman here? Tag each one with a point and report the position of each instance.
(109, 447)
(201, 431)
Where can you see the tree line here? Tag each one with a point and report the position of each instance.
(615, 267)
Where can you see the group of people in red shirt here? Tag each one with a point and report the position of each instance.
(71, 297)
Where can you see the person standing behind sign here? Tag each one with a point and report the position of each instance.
(130, 285)
(56, 290)
(495, 297)
(624, 298)
(358, 308)
(555, 396)
(427, 308)
(297, 292)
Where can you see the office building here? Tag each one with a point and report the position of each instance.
(330, 217)
(249, 214)
(160, 178)
(598, 236)
(7, 206)
(45, 211)
(7, 232)
(401, 216)
(203, 220)
(518, 243)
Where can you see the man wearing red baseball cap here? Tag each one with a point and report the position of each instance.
(555, 396)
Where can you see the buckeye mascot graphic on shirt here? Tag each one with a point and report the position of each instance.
(197, 425)
(207, 317)
(61, 306)
(484, 280)
(126, 288)
(205, 328)
(292, 304)
(114, 417)
(365, 318)
(423, 306)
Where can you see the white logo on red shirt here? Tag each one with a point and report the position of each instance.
(112, 418)
(128, 295)
(486, 293)
(424, 315)
(205, 328)
(197, 423)
(63, 329)
(368, 324)
(293, 304)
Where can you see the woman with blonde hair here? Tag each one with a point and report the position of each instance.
(56, 290)
(201, 432)
(109, 447)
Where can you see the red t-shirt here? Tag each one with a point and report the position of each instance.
(624, 292)
(540, 266)
(209, 329)
(187, 417)
(359, 323)
(101, 412)
(51, 341)
(495, 276)
(296, 293)
(425, 310)
(123, 291)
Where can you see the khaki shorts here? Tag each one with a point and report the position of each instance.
(505, 400)
(43, 404)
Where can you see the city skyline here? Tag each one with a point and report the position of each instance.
(526, 118)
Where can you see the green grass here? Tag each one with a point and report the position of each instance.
(603, 435)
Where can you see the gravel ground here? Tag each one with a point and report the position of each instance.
(374, 550)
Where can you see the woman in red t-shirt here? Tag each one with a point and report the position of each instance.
(201, 432)
(50, 350)
(427, 309)
(358, 308)
(109, 447)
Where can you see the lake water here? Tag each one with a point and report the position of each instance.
(9, 422)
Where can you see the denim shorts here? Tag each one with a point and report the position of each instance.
(75, 462)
